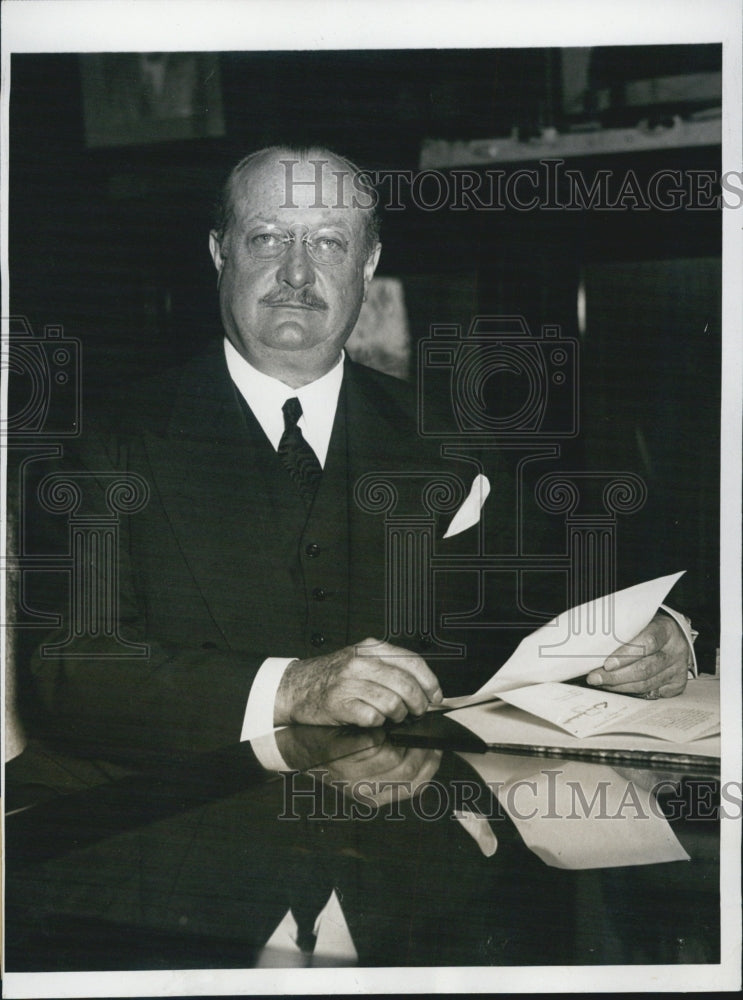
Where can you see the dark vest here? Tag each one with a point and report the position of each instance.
(310, 570)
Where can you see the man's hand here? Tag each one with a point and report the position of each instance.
(305, 747)
(383, 773)
(362, 685)
(654, 664)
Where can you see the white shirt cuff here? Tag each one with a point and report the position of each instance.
(267, 752)
(258, 717)
(689, 634)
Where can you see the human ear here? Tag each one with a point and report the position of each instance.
(370, 266)
(215, 249)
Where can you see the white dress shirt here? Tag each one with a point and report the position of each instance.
(265, 396)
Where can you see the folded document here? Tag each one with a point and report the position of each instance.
(496, 722)
(586, 712)
(572, 645)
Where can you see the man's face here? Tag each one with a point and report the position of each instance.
(290, 316)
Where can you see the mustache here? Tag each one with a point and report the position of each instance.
(304, 297)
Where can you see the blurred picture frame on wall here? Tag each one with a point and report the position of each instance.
(132, 98)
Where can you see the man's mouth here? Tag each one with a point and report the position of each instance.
(289, 305)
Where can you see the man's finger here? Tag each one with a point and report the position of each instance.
(404, 660)
(396, 682)
(418, 764)
(677, 687)
(357, 712)
(634, 684)
(410, 778)
(383, 699)
(363, 765)
(652, 639)
(644, 669)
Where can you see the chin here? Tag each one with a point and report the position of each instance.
(292, 336)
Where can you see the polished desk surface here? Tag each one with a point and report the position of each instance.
(194, 862)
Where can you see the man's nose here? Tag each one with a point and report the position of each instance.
(296, 267)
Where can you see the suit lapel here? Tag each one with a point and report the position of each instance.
(212, 459)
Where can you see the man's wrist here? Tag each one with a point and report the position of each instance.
(282, 706)
(689, 633)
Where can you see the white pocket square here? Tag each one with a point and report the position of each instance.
(469, 513)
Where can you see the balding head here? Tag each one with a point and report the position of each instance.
(351, 185)
(295, 249)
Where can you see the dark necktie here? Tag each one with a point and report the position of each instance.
(299, 459)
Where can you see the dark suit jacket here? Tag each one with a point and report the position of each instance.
(210, 575)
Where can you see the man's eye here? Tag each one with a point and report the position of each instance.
(266, 240)
(327, 248)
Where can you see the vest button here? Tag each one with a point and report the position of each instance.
(317, 639)
(312, 550)
(319, 594)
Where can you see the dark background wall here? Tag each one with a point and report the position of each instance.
(111, 243)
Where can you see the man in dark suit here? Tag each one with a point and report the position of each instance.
(254, 579)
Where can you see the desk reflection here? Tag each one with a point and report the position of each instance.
(357, 851)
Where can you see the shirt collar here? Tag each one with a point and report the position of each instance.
(266, 395)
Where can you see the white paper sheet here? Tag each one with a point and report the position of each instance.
(584, 712)
(577, 816)
(577, 641)
(497, 722)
